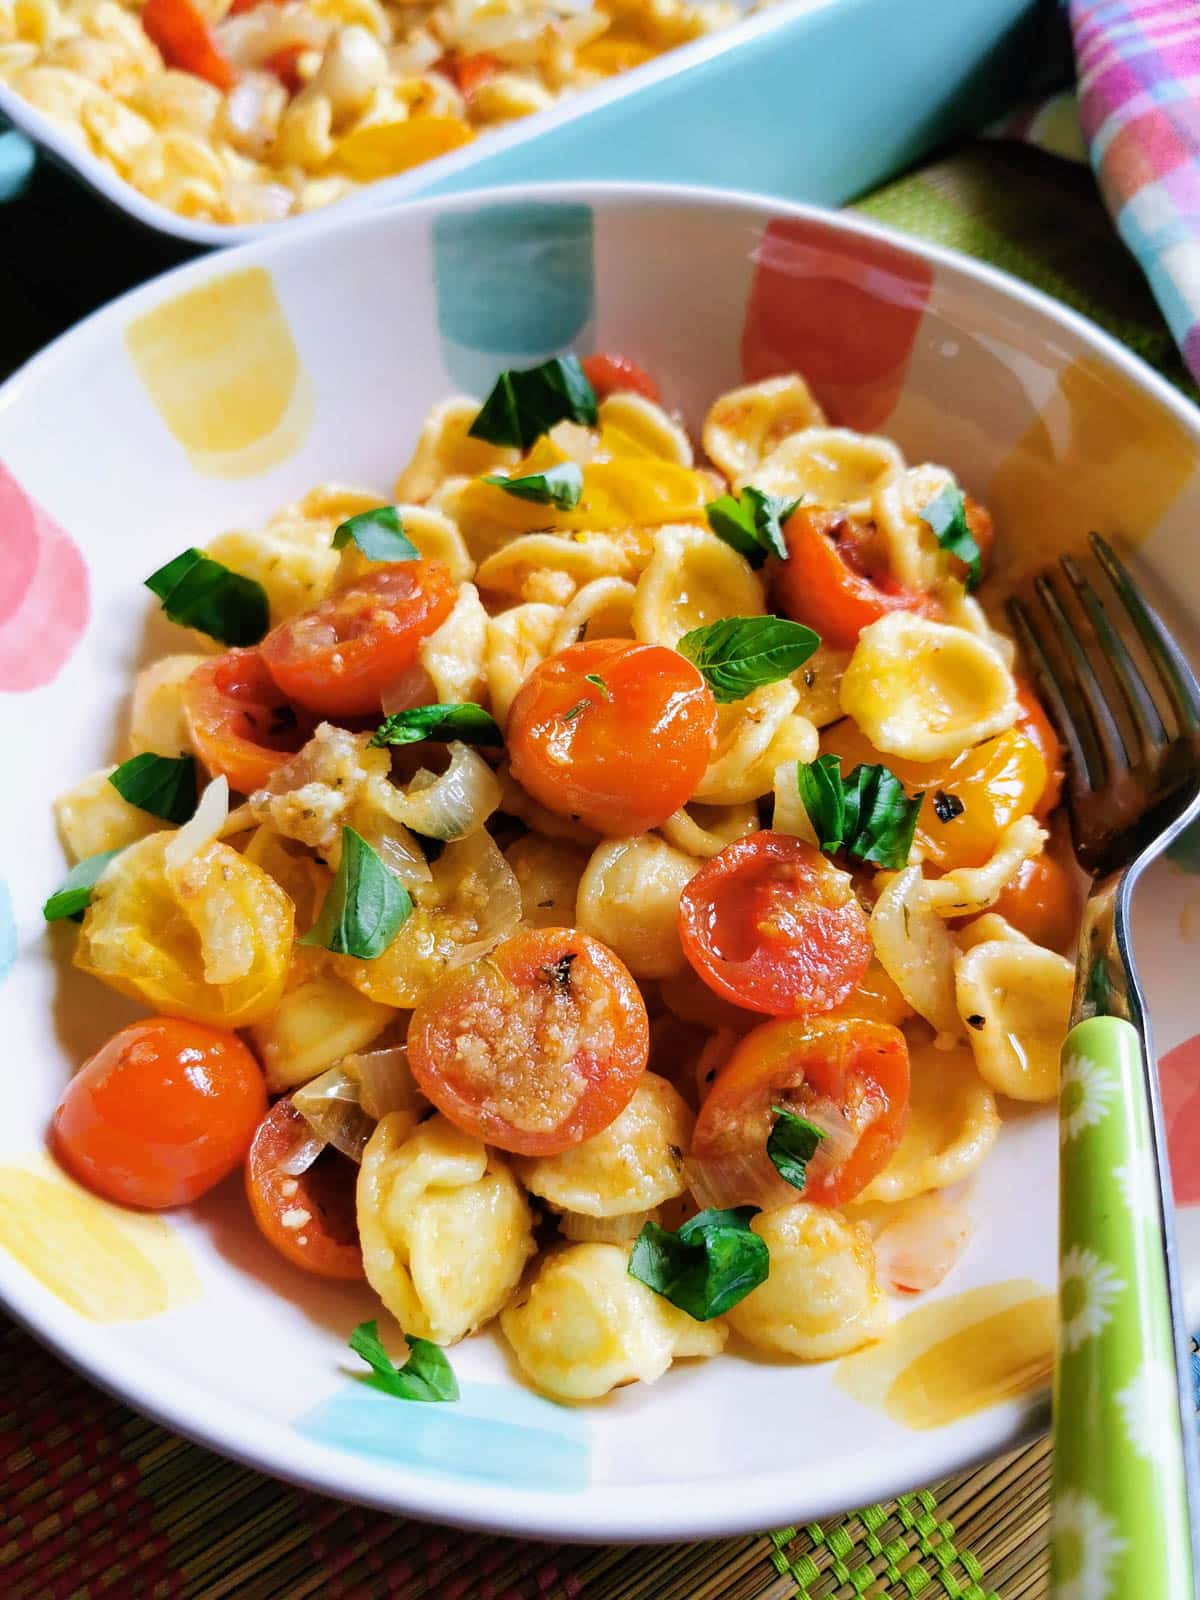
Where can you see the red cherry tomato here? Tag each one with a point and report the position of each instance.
(835, 578)
(620, 755)
(1042, 902)
(183, 36)
(310, 1218)
(773, 926)
(339, 658)
(983, 531)
(1033, 722)
(284, 63)
(611, 374)
(160, 1113)
(241, 724)
(470, 72)
(536, 1047)
(849, 1078)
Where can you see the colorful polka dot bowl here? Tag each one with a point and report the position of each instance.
(216, 394)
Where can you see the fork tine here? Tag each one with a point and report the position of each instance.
(1108, 735)
(1169, 661)
(1138, 700)
(1085, 768)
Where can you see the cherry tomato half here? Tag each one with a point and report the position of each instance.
(772, 925)
(536, 1047)
(836, 579)
(612, 374)
(1042, 902)
(310, 1218)
(622, 754)
(241, 723)
(182, 34)
(1036, 726)
(160, 1113)
(849, 1078)
(340, 657)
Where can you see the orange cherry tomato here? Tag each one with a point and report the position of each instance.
(620, 755)
(242, 725)
(996, 782)
(1036, 725)
(773, 926)
(469, 72)
(285, 63)
(339, 658)
(612, 374)
(835, 578)
(536, 1047)
(849, 1078)
(1042, 903)
(310, 1218)
(160, 1113)
(179, 30)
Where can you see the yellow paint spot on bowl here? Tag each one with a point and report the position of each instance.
(1102, 455)
(107, 1264)
(223, 371)
(954, 1357)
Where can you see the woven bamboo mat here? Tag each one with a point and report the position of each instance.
(99, 1502)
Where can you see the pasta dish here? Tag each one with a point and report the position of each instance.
(608, 889)
(246, 111)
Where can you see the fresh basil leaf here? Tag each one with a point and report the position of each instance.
(200, 593)
(712, 1262)
(165, 786)
(576, 709)
(594, 677)
(791, 1145)
(426, 1375)
(558, 486)
(379, 534)
(737, 654)
(73, 898)
(365, 905)
(524, 405)
(464, 721)
(868, 815)
(752, 524)
(946, 515)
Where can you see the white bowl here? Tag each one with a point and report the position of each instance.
(221, 391)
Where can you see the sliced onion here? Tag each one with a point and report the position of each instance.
(916, 1250)
(730, 1181)
(454, 805)
(302, 1154)
(252, 37)
(605, 1230)
(493, 888)
(204, 826)
(385, 1082)
(330, 1105)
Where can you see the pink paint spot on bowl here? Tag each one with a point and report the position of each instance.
(1179, 1084)
(43, 592)
(842, 312)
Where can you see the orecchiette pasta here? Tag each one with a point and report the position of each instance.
(952, 1124)
(455, 655)
(1015, 999)
(692, 579)
(548, 872)
(629, 897)
(157, 721)
(754, 736)
(830, 467)
(318, 1021)
(93, 817)
(745, 425)
(445, 1228)
(703, 831)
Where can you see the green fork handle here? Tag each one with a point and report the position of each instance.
(1120, 1487)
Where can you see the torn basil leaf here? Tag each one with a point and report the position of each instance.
(165, 786)
(737, 654)
(365, 905)
(752, 523)
(73, 898)
(791, 1145)
(713, 1261)
(524, 405)
(378, 534)
(464, 721)
(867, 815)
(946, 515)
(426, 1375)
(198, 592)
(558, 486)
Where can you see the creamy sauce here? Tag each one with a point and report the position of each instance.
(953, 1357)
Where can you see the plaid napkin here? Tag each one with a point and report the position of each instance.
(1135, 113)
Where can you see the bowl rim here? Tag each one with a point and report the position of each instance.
(607, 1513)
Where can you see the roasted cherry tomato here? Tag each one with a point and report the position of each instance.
(610, 374)
(310, 1218)
(1042, 903)
(620, 754)
(470, 72)
(836, 578)
(536, 1047)
(160, 1114)
(849, 1078)
(994, 783)
(979, 521)
(774, 926)
(183, 36)
(1036, 726)
(339, 658)
(284, 63)
(241, 723)
(876, 999)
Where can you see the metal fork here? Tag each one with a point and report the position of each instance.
(1125, 1474)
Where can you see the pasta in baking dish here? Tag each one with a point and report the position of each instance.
(246, 111)
(606, 888)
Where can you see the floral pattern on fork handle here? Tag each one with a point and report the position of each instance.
(1121, 1513)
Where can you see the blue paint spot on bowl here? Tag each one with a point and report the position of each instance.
(502, 1434)
(8, 933)
(514, 283)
